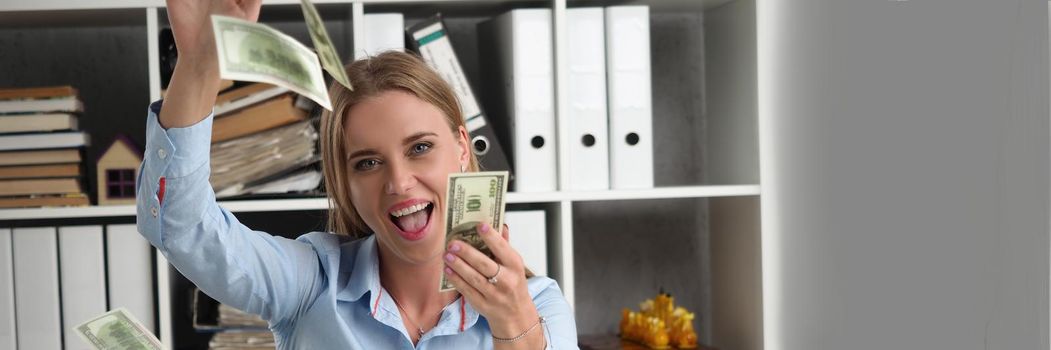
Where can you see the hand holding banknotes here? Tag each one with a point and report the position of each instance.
(497, 287)
(191, 22)
(195, 82)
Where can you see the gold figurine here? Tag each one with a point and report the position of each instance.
(659, 324)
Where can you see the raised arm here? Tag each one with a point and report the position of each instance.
(195, 82)
(176, 207)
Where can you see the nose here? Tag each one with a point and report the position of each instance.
(400, 178)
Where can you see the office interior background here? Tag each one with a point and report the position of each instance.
(821, 174)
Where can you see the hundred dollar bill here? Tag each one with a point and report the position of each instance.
(323, 45)
(473, 198)
(117, 329)
(255, 52)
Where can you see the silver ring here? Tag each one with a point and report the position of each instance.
(492, 280)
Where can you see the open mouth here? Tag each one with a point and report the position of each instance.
(412, 219)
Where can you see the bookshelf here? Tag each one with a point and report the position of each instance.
(696, 234)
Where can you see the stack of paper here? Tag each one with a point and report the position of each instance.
(262, 143)
(242, 341)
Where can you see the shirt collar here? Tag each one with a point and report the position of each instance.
(365, 277)
(365, 274)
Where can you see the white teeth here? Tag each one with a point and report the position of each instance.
(409, 210)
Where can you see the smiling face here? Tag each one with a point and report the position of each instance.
(400, 151)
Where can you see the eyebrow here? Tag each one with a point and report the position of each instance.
(410, 139)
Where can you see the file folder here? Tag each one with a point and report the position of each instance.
(130, 271)
(383, 32)
(588, 119)
(630, 99)
(527, 233)
(518, 71)
(37, 314)
(430, 39)
(83, 276)
(8, 338)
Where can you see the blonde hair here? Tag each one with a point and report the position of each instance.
(391, 70)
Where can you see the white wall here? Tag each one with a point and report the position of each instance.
(905, 173)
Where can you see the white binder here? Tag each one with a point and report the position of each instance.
(130, 271)
(630, 99)
(383, 32)
(37, 315)
(8, 338)
(586, 85)
(517, 47)
(83, 275)
(527, 232)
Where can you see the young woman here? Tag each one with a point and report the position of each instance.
(387, 149)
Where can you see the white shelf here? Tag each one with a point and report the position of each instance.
(67, 212)
(322, 203)
(665, 193)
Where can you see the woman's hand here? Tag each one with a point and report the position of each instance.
(195, 82)
(191, 22)
(506, 304)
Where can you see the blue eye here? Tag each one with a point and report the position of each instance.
(421, 148)
(366, 164)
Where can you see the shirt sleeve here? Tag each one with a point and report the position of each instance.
(560, 326)
(177, 213)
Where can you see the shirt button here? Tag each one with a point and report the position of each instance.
(153, 211)
(162, 153)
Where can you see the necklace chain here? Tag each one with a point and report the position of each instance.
(407, 316)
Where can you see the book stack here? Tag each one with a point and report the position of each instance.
(263, 143)
(41, 148)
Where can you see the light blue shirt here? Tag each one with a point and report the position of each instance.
(320, 291)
